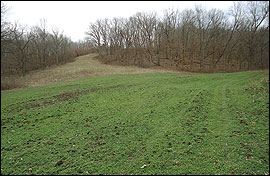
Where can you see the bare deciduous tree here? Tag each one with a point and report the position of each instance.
(193, 40)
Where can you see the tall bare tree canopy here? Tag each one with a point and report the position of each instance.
(28, 48)
(192, 40)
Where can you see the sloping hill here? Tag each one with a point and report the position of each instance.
(155, 123)
(82, 67)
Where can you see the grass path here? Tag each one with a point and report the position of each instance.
(83, 67)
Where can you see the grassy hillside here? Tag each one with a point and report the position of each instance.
(152, 123)
(83, 67)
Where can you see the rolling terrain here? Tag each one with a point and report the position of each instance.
(83, 67)
(129, 120)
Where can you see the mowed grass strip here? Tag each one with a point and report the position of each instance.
(154, 123)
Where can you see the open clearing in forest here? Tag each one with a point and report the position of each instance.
(144, 123)
(83, 67)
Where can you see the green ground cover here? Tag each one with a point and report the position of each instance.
(154, 123)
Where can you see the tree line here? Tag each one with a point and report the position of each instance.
(196, 39)
(29, 48)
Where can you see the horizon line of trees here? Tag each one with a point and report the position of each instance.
(29, 48)
(191, 40)
(196, 39)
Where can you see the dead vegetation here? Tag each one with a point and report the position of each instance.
(82, 67)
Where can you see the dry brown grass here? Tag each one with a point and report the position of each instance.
(82, 67)
(11, 82)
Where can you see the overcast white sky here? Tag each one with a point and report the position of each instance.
(74, 17)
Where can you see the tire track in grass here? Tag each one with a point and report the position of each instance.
(216, 146)
(207, 125)
(160, 143)
(176, 138)
(249, 137)
(195, 132)
(223, 150)
(226, 146)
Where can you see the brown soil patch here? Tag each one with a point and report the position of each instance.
(65, 96)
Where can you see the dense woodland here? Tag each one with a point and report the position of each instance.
(26, 48)
(196, 39)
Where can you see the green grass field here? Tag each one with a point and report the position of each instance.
(152, 123)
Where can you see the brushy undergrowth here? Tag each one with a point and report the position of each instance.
(154, 123)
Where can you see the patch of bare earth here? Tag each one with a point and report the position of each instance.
(62, 97)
